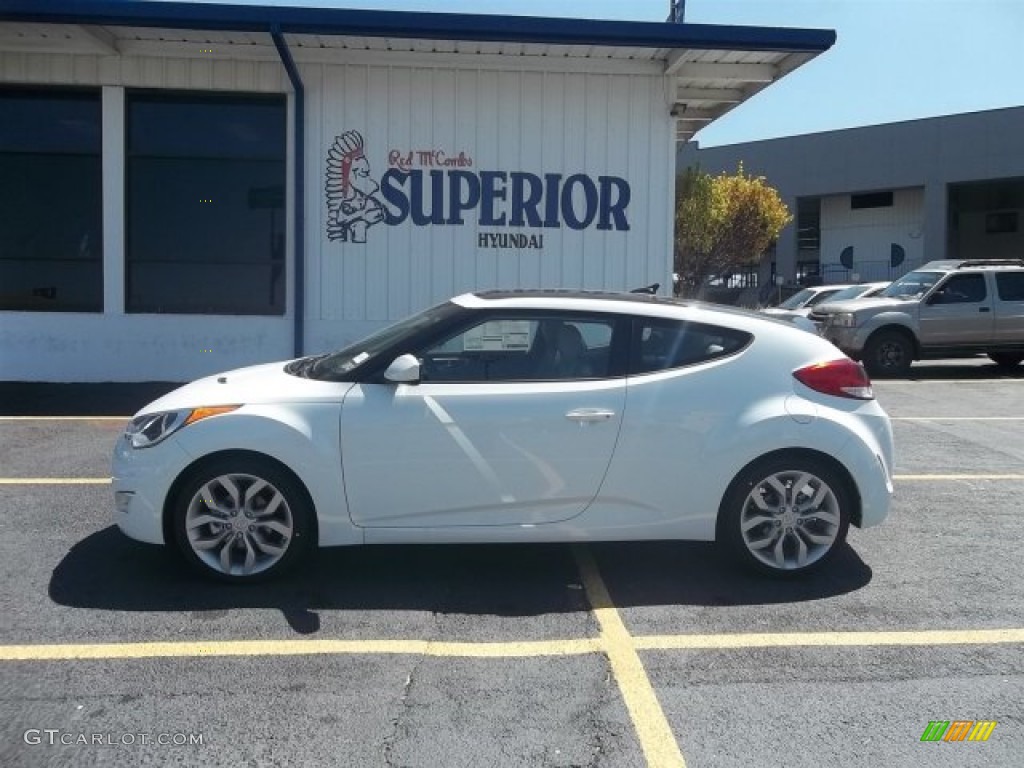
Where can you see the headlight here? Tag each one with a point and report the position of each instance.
(152, 428)
(844, 320)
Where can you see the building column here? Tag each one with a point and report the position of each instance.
(113, 200)
(936, 222)
(786, 248)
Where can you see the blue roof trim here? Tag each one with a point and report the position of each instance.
(429, 26)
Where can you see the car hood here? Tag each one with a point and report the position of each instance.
(267, 383)
(787, 313)
(859, 305)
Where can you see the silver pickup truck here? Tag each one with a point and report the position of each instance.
(942, 309)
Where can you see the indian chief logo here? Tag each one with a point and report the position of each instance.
(352, 203)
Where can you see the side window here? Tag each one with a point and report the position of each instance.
(1010, 286)
(523, 348)
(962, 289)
(659, 345)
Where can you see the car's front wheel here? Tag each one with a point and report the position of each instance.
(242, 519)
(786, 514)
(888, 353)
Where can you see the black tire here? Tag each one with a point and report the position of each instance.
(279, 532)
(821, 529)
(1006, 360)
(888, 353)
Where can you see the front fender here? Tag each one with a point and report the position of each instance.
(305, 437)
(902, 320)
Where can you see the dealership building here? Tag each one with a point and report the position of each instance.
(187, 188)
(872, 203)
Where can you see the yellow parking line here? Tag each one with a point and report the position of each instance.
(838, 639)
(655, 735)
(499, 650)
(959, 477)
(201, 649)
(55, 481)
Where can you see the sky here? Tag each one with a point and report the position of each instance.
(893, 60)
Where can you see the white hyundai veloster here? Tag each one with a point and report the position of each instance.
(519, 416)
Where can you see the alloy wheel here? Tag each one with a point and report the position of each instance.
(239, 524)
(790, 520)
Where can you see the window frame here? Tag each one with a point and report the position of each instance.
(939, 297)
(617, 347)
(94, 96)
(274, 266)
(1019, 276)
(417, 343)
(636, 344)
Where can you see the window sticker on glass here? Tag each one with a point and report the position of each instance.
(503, 335)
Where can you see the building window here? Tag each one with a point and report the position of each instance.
(51, 200)
(871, 200)
(205, 203)
(1001, 223)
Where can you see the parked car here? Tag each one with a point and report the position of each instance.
(801, 302)
(519, 417)
(943, 309)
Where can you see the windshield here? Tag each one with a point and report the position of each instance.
(797, 300)
(849, 293)
(348, 359)
(911, 285)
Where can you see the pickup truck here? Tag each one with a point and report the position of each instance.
(941, 309)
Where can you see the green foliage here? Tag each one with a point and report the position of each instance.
(723, 223)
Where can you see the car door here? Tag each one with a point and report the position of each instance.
(513, 423)
(958, 312)
(1009, 320)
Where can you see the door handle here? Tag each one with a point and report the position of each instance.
(587, 415)
(984, 309)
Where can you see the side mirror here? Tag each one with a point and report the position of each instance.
(405, 369)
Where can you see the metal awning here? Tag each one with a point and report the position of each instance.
(712, 68)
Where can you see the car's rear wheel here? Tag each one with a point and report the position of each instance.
(888, 353)
(242, 519)
(786, 515)
(1006, 359)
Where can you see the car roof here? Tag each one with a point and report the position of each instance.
(953, 264)
(610, 301)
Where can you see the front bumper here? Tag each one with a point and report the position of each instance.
(849, 340)
(141, 481)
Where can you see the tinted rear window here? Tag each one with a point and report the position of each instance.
(662, 344)
(1010, 286)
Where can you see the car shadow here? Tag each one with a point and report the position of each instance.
(108, 571)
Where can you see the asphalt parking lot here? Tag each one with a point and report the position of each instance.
(657, 654)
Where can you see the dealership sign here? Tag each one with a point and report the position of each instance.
(435, 188)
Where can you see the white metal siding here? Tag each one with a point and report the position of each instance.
(872, 231)
(536, 122)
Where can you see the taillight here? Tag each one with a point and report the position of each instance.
(842, 378)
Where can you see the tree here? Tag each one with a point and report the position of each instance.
(723, 223)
